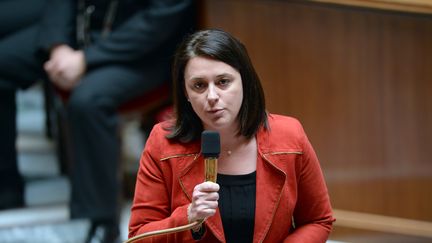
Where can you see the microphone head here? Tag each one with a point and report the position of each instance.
(210, 144)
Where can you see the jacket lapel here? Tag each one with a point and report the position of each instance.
(270, 183)
(191, 173)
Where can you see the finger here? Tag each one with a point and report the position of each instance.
(214, 196)
(55, 78)
(208, 187)
(208, 196)
(52, 78)
(47, 66)
(58, 74)
(53, 64)
(205, 213)
(53, 70)
(59, 82)
(211, 205)
(205, 196)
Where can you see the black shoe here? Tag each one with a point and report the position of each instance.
(101, 232)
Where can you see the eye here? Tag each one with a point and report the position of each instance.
(198, 85)
(224, 82)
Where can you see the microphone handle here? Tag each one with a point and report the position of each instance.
(210, 169)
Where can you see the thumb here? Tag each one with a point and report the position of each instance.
(47, 65)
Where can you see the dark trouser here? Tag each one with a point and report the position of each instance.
(19, 68)
(93, 122)
(11, 184)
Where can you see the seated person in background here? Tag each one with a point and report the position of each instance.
(123, 49)
(104, 53)
(270, 186)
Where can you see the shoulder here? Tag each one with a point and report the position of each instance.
(283, 132)
(284, 124)
(277, 119)
(161, 147)
(159, 131)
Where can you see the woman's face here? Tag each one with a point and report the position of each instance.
(215, 92)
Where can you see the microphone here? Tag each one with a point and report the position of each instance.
(210, 148)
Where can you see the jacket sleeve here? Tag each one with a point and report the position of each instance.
(145, 31)
(57, 26)
(151, 206)
(313, 214)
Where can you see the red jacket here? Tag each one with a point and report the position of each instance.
(289, 186)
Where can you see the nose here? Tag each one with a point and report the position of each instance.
(212, 95)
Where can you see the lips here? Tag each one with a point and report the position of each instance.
(215, 111)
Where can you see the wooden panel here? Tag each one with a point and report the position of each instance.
(343, 234)
(360, 81)
(415, 6)
(386, 224)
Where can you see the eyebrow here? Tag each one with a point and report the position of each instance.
(195, 79)
(198, 78)
(224, 75)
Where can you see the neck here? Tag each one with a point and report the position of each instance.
(230, 140)
(238, 155)
(231, 143)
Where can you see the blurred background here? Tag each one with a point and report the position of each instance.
(357, 74)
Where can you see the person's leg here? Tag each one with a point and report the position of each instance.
(19, 66)
(11, 184)
(95, 142)
(18, 69)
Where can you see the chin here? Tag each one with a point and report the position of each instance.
(218, 125)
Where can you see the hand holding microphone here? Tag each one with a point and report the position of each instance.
(205, 195)
(204, 201)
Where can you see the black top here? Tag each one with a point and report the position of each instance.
(237, 206)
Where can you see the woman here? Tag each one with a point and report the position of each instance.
(270, 186)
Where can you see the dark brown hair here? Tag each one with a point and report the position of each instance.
(218, 45)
